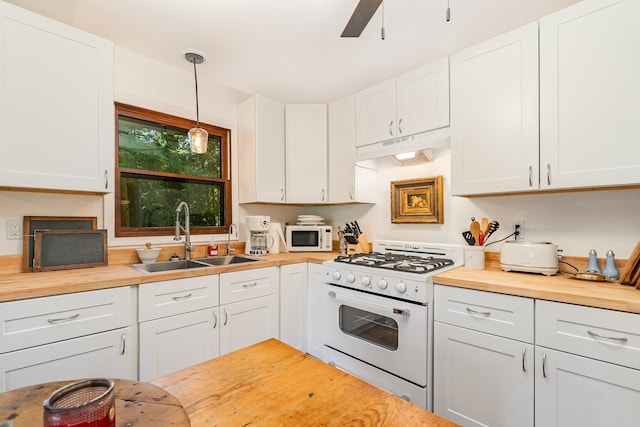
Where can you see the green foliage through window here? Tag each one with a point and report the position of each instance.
(157, 170)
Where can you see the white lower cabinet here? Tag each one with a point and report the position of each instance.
(587, 366)
(480, 378)
(176, 342)
(106, 354)
(315, 281)
(293, 305)
(67, 337)
(249, 309)
(179, 324)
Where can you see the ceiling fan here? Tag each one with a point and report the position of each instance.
(360, 17)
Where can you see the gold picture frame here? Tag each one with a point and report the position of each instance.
(417, 201)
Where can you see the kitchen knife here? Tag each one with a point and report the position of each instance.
(347, 228)
(356, 231)
(357, 227)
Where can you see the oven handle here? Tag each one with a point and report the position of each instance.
(401, 311)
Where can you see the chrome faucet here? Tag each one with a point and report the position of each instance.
(229, 248)
(187, 234)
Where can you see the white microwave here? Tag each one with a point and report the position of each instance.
(309, 238)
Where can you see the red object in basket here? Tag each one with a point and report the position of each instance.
(87, 403)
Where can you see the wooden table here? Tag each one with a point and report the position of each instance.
(137, 405)
(272, 384)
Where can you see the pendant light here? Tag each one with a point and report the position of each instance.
(198, 137)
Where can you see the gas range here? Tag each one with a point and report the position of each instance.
(396, 269)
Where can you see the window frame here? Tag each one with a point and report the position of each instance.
(181, 123)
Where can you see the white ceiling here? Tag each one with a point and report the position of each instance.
(291, 50)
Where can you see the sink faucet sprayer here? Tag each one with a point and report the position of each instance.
(229, 248)
(187, 234)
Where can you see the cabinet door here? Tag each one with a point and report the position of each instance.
(173, 343)
(481, 379)
(348, 182)
(56, 105)
(315, 310)
(248, 322)
(306, 153)
(589, 95)
(494, 115)
(423, 98)
(376, 113)
(293, 305)
(577, 391)
(261, 152)
(108, 354)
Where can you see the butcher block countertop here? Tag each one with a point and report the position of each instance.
(272, 384)
(560, 288)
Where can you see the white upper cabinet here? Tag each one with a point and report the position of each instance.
(56, 105)
(414, 102)
(590, 96)
(494, 114)
(261, 151)
(306, 153)
(348, 182)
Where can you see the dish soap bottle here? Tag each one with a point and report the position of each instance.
(610, 269)
(593, 262)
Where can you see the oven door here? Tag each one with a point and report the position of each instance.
(386, 333)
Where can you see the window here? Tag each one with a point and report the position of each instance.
(155, 171)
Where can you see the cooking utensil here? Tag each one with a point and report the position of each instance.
(351, 239)
(480, 237)
(484, 226)
(474, 227)
(493, 226)
(468, 237)
(357, 227)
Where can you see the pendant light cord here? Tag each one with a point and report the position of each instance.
(195, 73)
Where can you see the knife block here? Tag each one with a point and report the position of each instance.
(363, 246)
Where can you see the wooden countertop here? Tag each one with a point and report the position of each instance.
(559, 287)
(272, 384)
(16, 286)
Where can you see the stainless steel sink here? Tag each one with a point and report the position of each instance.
(226, 260)
(157, 267)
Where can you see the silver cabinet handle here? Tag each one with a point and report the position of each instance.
(391, 128)
(332, 294)
(215, 320)
(182, 297)
(123, 343)
(250, 285)
(64, 319)
(226, 317)
(400, 126)
(524, 367)
(351, 193)
(544, 365)
(323, 194)
(548, 174)
(282, 194)
(478, 313)
(621, 339)
(106, 179)
(530, 176)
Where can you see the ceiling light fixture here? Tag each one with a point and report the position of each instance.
(198, 137)
(414, 157)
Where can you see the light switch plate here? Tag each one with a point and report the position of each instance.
(14, 229)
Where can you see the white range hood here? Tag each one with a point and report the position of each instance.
(421, 142)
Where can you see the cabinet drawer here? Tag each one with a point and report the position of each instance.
(171, 297)
(37, 321)
(243, 285)
(611, 336)
(504, 315)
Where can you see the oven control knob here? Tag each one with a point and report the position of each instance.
(365, 281)
(337, 275)
(382, 284)
(401, 287)
(351, 278)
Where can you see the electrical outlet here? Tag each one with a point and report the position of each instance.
(518, 225)
(14, 229)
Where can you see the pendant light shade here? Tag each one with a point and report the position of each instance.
(198, 137)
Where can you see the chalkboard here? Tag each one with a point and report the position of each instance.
(67, 249)
(33, 223)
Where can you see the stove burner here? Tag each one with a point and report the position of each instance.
(406, 263)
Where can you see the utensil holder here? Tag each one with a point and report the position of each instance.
(474, 257)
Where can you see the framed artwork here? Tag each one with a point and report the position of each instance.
(417, 201)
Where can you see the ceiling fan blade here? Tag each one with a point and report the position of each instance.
(360, 17)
